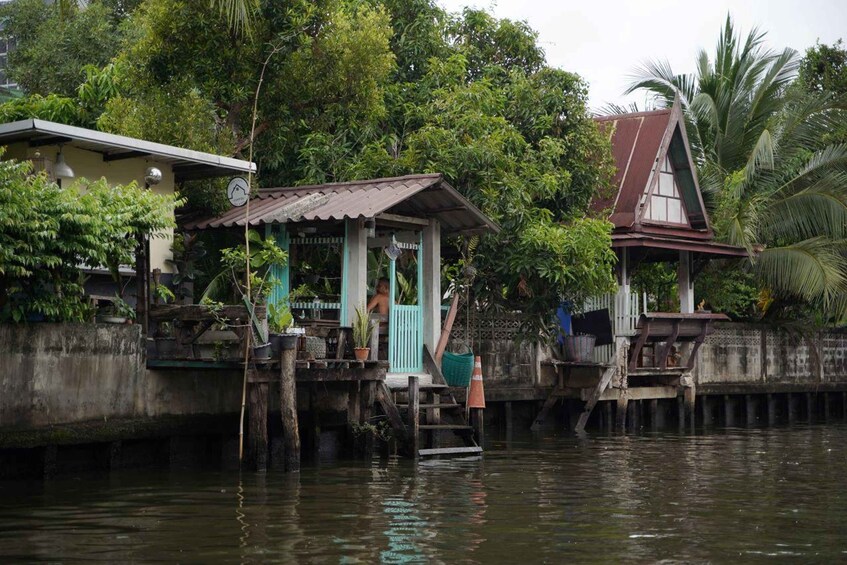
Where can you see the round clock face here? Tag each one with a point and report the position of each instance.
(238, 191)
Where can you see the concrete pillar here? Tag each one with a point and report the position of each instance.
(432, 284)
(356, 261)
(690, 397)
(654, 414)
(686, 283)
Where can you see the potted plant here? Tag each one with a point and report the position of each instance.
(362, 332)
(282, 333)
(118, 312)
(232, 282)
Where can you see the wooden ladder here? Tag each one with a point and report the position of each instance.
(430, 409)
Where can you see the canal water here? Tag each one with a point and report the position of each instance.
(719, 496)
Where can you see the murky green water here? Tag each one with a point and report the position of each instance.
(734, 495)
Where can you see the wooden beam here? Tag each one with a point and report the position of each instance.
(398, 219)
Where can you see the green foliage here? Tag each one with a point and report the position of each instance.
(54, 44)
(660, 283)
(232, 285)
(47, 232)
(824, 68)
(728, 289)
(363, 328)
(280, 318)
(764, 156)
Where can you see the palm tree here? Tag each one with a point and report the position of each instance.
(239, 13)
(772, 185)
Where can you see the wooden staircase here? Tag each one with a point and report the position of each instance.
(426, 415)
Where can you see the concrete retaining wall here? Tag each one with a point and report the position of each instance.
(53, 374)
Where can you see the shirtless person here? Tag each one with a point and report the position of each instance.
(379, 302)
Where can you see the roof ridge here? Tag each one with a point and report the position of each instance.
(353, 182)
(633, 114)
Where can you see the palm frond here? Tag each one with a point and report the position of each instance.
(812, 270)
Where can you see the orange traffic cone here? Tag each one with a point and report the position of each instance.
(476, 396)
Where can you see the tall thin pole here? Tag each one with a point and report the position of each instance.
(247, 341)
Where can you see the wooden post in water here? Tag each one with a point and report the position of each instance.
(478, 425)
(826, 412)
(750, 409)
(728, 411)
(507, 415)
(771, 410)
(690, 398)
(654, 414)
(810, 407)
(414, 414)
(680, 413)
(258, 421)
(288, 409)
(368, 398)
(707, 410)
(620, 416)
(354, 417)
(791, 403)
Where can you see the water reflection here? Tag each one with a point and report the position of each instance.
(725, 495)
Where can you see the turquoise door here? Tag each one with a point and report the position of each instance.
(405, 321)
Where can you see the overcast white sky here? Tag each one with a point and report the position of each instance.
(604, 40)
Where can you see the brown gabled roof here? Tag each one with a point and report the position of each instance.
(414, 195)
(636, 140)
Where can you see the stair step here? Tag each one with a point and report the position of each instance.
(405, 388)
(447, 406)
(450, 451)
(444, 427)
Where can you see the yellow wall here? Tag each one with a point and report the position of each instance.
(90, 165)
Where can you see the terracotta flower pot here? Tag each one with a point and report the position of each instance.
(361, 353)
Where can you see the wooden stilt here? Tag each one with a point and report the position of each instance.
(791, 402)
(477, 423)
(609, 419)
(771, 409)
(826, 409)
(706, 403)
(728, 411)
(690, 398)
(632, 415)
(620, 414)
(367, 398)
(288, 410)
(49, 459)
(258, 424)
(750, 409)
(414, 414)
(680, 413)
(810, 407)
(507, 415)
(654, 414)
(313, 428)
(354, 418)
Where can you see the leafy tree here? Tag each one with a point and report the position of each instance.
(777, 188)
(515, 137)
(824, 68)
(46, 232)
(55, 41)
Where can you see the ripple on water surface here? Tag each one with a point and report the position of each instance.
(738, 494)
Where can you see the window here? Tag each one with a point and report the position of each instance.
(665, 204)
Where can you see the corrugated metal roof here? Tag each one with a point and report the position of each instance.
(412, 195)
(636, 139)
(187, 164)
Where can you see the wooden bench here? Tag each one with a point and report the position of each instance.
(669, 328)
